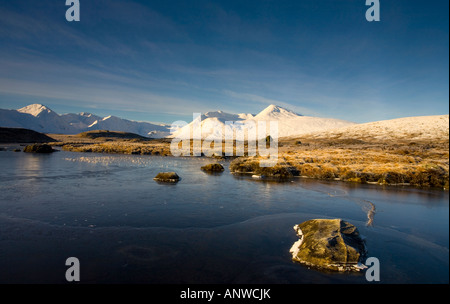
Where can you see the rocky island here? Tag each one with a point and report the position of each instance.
(329, 244)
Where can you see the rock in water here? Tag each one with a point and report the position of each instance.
(213, 168)
(329, 244)
(36, 148)
(167, 177)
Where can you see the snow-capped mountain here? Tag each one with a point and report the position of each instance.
(114, 123)
(274, 112)
(47, 119)
(37, 110)
(40, 118)
(213, 124)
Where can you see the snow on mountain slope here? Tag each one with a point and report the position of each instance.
(36, 110)
(212, 128)
(50, 121)
(114, 123)
(411, 128)
(274, 112)
(80, 121)
(307, 124)
(213, 124)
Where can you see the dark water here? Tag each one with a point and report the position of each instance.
(107, 211)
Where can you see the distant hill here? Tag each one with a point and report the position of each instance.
(416, 128)
(16, 135)
(111, 134)
(42, 119)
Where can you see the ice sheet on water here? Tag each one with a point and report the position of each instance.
(113, 160)
(248, 251)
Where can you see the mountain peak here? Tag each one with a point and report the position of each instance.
(274, 111)
(273, 107)
(85, 114)
(35, 109)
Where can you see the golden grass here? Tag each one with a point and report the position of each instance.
(120, 148)
(417, 164)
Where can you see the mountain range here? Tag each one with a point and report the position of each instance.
(42, 119)
(213, 125)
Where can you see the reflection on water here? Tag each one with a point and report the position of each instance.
(32, 166)
(107, 211)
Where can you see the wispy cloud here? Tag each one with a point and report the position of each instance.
(107, 97)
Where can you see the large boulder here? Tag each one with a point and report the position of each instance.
(331, 244)
(38, 148)
(213, 168)
(167, 177)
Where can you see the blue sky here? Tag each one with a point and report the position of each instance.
(163, 60)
